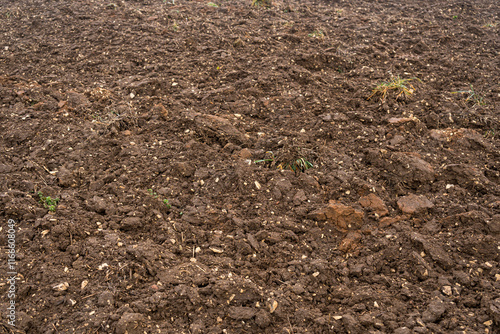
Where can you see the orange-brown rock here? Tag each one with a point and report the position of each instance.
(350, 242)
(387, 221)
(374, 203)
(342, 216)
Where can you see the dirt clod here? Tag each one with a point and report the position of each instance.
(374, 203)
(434, 311)
(342, 216)
(131, 323)
(241, 313)
(412, 204)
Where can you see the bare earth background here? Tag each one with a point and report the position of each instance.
(114, 107)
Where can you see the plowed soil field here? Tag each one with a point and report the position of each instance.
(194, 167)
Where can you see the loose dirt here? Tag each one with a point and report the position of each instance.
(147, 120)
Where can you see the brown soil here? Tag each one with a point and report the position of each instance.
(113, 107)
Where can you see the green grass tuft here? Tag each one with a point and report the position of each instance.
(403, 88)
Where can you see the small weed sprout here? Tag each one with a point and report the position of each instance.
(491, 133)
(298, 165)
(455, 17)
(472, 96)
(48, 202)
(167, 204)
(262, 3)
(155, 195)
(152, 193)
(175, 27)
(403, 87)
(317, 34)
(269, 160)
(212, 4)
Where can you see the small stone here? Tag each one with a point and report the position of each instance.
(61, 286)
(103, 266)
(446, 290)
(401, 120)
(273, 305)
(216, 250)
